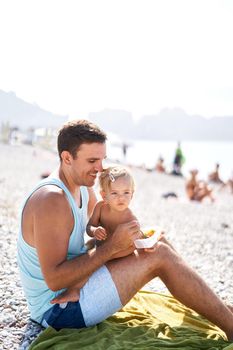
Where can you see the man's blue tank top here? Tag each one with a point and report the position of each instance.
(37, 293)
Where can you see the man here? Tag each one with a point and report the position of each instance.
(52, 254)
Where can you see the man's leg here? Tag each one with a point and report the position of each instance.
(131, 273)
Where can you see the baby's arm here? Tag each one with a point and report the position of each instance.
(93, 229)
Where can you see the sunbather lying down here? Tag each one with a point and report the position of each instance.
(197, 189)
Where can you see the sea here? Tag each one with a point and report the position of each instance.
(198, 155)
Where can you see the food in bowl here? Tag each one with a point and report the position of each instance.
(148, 233)
(150, 237)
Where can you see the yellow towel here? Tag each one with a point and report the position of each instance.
(149, 321)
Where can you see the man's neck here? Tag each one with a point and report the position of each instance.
(68, 182)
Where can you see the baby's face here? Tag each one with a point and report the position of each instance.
(119, 194)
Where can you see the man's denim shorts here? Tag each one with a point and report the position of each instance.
(99, 299)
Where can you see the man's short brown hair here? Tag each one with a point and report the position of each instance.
(77, 132)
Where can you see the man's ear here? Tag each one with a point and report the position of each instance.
(66, 157)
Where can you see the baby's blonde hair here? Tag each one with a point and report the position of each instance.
(111, 174)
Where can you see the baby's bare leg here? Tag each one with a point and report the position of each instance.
(91, 243)
(71, 294)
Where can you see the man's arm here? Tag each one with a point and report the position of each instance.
(52, 224)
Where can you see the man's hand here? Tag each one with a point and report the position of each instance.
(163, 239)
(124, 236)
(100, 233)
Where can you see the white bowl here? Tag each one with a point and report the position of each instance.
(150, 241)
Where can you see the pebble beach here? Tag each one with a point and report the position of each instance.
(201, 232)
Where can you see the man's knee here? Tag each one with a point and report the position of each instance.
(163, 251)
(160, 256)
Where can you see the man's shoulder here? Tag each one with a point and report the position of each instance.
(48, 196)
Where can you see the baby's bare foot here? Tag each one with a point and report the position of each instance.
(72, 295)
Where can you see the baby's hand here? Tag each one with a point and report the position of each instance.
(100, 233)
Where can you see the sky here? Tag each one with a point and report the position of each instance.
(73, 57)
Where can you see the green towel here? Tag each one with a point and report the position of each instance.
(148, 321)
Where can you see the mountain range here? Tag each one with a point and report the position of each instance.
(169, 124)
(24, 115)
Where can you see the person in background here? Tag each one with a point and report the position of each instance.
(197, 190)
(124, 148)
(230, 183)
(178, 161)
(215, 177)
(159, 166)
